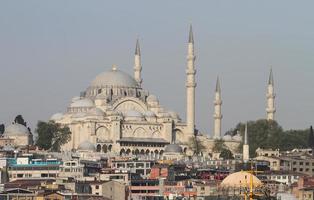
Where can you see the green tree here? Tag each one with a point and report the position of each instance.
(311, 138)
(196, 145)
(269, 134)
(226, 154)
(2, 129)
(51, 135)
(219, 145)
(20, 120)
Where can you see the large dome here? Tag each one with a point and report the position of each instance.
(114, 78)
(239, 179)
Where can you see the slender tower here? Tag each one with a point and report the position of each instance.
(190, 85)
(246, 154)
(270, 110)
(217, 111)
(137, 64)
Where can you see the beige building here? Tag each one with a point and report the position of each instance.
(16, 135)
(117, 115)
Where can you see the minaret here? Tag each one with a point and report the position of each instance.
(190, 85)
(217, 111)
(137, 64)
(246, 154)
(270, 97)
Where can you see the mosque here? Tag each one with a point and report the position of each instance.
(116, 115)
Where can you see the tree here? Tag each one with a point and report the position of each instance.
(311, 140)
(196, 145)
(51, 135)
(2, 128)
(20, 120)
(226, 154)
(219, 145)
(269, 134)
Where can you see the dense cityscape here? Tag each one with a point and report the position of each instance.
(116, 141)
(123, 135)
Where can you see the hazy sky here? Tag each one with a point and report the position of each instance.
(51, 50)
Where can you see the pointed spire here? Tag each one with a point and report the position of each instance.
(137, 48)
(245, 135)
(218, 85)
(271, 78)
(191, 39)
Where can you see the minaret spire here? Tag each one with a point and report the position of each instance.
(246, 149)
(217, 111)
(270, 95)
(137, 64)
(190, 85)
(245, 135)
(191, 38)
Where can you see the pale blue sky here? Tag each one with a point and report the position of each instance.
(51, 50)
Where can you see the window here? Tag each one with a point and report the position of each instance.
(301, 163)
(307, 169)
(307, 163)
(301, 169)
(97, 187)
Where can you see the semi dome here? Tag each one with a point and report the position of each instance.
(56, 117)
(149, 114)
(82, 103)
(133, 115)
(173, 148)
(152, 99)
(227, 137)
(87, 146)
(16, 130)
(240, 179)
(114, 78)
(96, 112)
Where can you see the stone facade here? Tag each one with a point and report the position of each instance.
(118, 116)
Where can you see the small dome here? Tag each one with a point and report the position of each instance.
(56, 117)
(164, 115)
(82, 103)
(173, 148)
(149, 114)
(8, 148)
(227, 137)
(86, 146)
(152, 99)
(237, 137)
(75, 99)
(96, 112)
(174, 115)
(239, 179)
(16, 130)
(114, 78)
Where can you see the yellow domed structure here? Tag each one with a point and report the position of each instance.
(240, 179)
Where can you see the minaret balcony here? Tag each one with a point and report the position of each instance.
(270, 110)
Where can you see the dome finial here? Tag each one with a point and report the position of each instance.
(114, 67)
